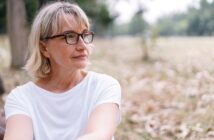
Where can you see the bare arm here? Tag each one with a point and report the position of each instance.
(19, 127)
(102, 123)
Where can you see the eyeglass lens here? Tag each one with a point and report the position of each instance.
(73, 38)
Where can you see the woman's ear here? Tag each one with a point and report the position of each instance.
(43, 48)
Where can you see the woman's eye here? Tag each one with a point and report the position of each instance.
(71, 36)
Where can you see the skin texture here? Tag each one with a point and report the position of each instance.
(67, 62)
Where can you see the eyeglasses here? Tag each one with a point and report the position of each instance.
(72, 37)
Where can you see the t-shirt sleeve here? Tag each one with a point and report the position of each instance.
(15, 104)
(110, 92)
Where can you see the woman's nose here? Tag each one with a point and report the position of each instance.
(81, 44)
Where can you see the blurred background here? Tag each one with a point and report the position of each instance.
(161, 51)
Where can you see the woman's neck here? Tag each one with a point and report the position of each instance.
(61, 82)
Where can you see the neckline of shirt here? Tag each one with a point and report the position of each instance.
(50, 93)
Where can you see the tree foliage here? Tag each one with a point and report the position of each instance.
(196, 22)
(175, 24)
(97, 11)
(31, 8)
(201, 21)
(138, 24)
(2, 16)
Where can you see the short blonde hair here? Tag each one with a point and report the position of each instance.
(46, 23)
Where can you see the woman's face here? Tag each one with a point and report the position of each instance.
(64, 56)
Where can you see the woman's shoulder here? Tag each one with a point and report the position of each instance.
(102, 78)
(21, 89)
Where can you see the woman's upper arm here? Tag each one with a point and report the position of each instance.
(19, 127)
(103, 120)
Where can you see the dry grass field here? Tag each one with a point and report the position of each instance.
(169, 97)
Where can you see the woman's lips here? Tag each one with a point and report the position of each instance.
(80, 57)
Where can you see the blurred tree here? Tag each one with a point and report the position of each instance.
(196, 21)
(2, 16)
(138, 24)
(99, 14)
(96, 10)
(31, 7)
(17, 31)
(201, 21)
(175, 24)
(102, 21)
(2, 89)
(42, 2)
(138, 27)
(121, 29)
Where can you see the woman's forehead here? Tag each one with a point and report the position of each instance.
(71, 22)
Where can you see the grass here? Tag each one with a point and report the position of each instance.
(165, 98)
(169, 97)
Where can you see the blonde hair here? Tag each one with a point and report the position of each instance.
(46, 23)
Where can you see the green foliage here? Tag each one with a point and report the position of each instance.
(105, 18)
(137, 24)
(99, 15)
(2, 16)
(122, 29)
(196, 22)
(90, 7)
(97, 12)
(31, 8)
(201, 21)
(172, 25)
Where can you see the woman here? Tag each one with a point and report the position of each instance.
(63, 102)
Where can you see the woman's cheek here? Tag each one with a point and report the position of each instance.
(90, 49)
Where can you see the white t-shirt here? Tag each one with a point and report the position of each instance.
(62, 116)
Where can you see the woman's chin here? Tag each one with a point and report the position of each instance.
(82, 65)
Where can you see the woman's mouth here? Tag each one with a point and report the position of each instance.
(82, 57)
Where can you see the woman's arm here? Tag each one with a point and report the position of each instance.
(18, 127)
(102, 123)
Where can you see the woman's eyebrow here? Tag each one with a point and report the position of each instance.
(85, 30)
(72, 31)
(68, 31)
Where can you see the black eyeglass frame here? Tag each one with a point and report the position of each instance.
(66, 33)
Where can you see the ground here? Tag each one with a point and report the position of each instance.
(168, 97)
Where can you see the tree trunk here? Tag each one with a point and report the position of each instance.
(17, 31)
(145, 50)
